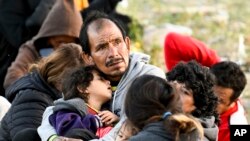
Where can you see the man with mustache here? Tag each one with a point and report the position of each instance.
(105, 43)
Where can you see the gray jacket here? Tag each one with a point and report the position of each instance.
(137, 67)
(210, 129)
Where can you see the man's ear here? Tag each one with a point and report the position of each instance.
(87, 59)
(127, 42)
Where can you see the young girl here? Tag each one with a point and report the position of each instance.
(126, 131)
(152, 106)
(84, 93)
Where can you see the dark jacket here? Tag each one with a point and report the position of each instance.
(19, 20)
(71, 114)
(63, 19)
(30, 96)
(18, 23)
(156, 132)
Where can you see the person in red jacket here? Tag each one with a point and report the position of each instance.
(230, 83)
(178, 47)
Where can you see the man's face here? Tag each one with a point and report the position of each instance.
(108, 50)
(223, 95)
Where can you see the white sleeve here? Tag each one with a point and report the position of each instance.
(4, 106)
(239, 117)
(46, 130)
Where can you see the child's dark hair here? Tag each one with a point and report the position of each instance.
(148, 98)
(78, 78)
(229, 75)
(201, 81)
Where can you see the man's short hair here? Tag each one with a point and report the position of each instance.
(94, 16)
(229, 75)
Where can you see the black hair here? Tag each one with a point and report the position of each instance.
(151, 99)
(200, 80)
(92, 17)
(150, 92)
(229, 75)
(79, 77)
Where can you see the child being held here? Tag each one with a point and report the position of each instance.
(126, 131)
(84, 92)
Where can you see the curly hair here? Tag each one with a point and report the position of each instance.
(201, 81)
(79, 77)
(229, 75)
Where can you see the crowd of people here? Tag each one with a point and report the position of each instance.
(76, 79)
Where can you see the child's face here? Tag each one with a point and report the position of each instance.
(224, 95)
(124, 133)
(185, 95)
(100, 88)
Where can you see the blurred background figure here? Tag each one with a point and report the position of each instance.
(178, 47)
(62, 25)
(19, 22)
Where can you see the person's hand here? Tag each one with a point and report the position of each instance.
(108, 118)
(60, 138)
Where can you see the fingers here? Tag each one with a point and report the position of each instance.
(60, 138)
(107, 117)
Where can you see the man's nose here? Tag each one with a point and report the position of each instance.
(112, 51)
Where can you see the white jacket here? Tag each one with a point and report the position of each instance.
(239, 117)
(4, 107)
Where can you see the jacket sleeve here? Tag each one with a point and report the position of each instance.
(65, 120)
(4, 106)
(156, 72)
(46, 130)
(27, 55)
(26, 110)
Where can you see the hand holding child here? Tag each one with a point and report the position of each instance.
(108, 118)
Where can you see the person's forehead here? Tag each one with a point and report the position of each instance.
(99, 34)
(223, 92)
(99, 24)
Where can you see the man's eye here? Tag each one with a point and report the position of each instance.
(102, 47)
(117, 42)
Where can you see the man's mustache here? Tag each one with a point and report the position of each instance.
(112, 61)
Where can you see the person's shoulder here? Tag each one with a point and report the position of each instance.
(154, 70)
(239, 116)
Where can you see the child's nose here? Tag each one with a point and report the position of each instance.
(108, 82)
